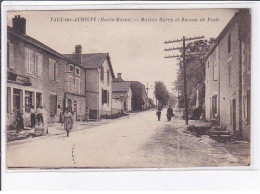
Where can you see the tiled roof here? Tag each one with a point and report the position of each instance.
(38, 44)
(93, 60)
(121, 86)
(118, 79)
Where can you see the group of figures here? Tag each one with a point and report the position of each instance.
(169, 114)
(36, 118)
(37, 121)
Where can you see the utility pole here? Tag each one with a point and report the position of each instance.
(183, 56)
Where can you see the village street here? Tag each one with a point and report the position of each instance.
(137, 140)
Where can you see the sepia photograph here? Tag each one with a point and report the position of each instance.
(128, 89)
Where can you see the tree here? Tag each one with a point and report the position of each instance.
(172, 100)
(195, 71)
(161, 93)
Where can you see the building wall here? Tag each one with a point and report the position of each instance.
(92, 92)
(229, 79)
(39, 84)
(211, 82)
(127, 96)
(246, 83)
(106, 108)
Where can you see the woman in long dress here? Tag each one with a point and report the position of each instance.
(68, 121)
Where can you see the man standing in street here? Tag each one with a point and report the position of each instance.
(159, 112)
(169, 113)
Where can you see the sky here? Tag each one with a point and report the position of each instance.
(135, 42)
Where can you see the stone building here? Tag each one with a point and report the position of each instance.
(227, 81)
(35, 75)
(99, 77)
(121, 95)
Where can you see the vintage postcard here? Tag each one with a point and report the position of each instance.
(99, 88)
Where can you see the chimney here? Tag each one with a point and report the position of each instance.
(19, 24)
(119, 75)
(78, 52)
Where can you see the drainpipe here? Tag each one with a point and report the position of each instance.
(240, 86)
(218, 55)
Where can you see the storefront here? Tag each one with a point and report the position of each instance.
(21, 96)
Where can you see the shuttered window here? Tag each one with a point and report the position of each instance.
(29, 60)
(38, 64)
(53, 105)
(104, 96)
(53, 70)
(102, 73)
(77, 85)
(10, 54)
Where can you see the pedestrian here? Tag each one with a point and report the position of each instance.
(59, 114)
(87, 114)
(169, 113)
(68, 121)
(33, 117)
(39, 113)
(19, 121)
(159, 112)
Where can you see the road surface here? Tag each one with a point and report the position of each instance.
(138, 140)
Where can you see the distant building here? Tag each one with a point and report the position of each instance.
(139, 96)
(99, 77)
(228, 72)
(36, 75)
(121, 95)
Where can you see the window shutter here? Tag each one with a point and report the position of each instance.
(10, 55)
(53, 105)
(51, 70)
(31, 62)
(102, 73)
(56, 66)
(26, 60)
(40, 64)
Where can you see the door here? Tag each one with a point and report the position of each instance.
(234, 120)
(17, 100)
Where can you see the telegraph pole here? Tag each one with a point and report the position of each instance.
(183, 56)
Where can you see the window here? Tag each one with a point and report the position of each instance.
(70, 83)
(215, 72)
(102, 73)
(71, 68)
(229, 43)
(108, 77)
(10, 53)
(77, 85)
(29, 60)
(17, 99)
(104, 96)
(77, 70)
(53, 105)
(53, 70)
(28, 100)
(38, 64)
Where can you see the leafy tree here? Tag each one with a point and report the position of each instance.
(195, 71)
(161, 93)
(172, 100)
